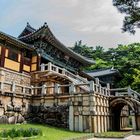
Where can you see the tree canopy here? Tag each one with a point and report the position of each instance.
(125, 58)
(132, 11)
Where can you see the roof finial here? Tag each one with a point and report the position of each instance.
(28, 24)
(45, 24)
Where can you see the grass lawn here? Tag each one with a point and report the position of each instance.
(136, 132)
(49, 132)
(112, 134)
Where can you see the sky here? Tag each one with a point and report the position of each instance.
(95, 22)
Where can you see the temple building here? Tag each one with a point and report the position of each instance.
(41, 81)
(40, 55)
(108, 75)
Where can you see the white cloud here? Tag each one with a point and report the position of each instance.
(96, 22)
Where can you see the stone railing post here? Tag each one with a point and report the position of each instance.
(108, 88)
(32, 90)
(23, 90)
(105, 91)
(49, 66)
(42, 67)
(97, 84)
(57, 70)
(129, 91)
(13, 87)
(43, 90)
(92, 86)
(1, 85)
(100, 88)
(63, 71)
(72, 88)
(56, 89)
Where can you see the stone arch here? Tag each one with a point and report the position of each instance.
(116, 106)
(124, 101)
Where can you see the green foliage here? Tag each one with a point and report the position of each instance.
(48, 132)
(125, 58)
(13, 133)
(132, 11)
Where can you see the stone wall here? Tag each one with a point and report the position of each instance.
(52, 115)
(18, 78)
(89, 112)
(15, 96)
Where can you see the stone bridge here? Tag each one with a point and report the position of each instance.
(86, 107)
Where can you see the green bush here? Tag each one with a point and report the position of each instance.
(12, 133)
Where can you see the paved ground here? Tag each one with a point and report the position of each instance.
(132, 137)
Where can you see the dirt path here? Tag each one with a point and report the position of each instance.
(132, 137)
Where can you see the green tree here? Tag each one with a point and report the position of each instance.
(125, 58)
(132, 11)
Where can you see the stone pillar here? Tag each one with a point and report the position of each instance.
(1, 85)
(13, 87)
(42, 67)
(32, 90)
(23, 90)
(108, 88)
(71, 89)
(80, 123)
(97, 84)
(56, 89)
(43, 90)
(90, 124)
(99, 124)
(102, 123)
(49, 66)
(108, 123)
(129, 90)
(100, 89)
(105, 123)
(95, 126)
(92, 86)
(134, 122)
(76, 123)
(71, 118)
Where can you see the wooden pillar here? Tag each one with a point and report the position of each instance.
(38, 62)
(2, 56)
(22, 62)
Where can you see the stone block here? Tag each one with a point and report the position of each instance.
(12, 120)
(85, 103)
(86, 113)
(3, 119)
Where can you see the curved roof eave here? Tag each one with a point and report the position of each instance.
(15, 40)
(44, 30)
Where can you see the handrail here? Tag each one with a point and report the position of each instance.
(134, 92)
(52, 67)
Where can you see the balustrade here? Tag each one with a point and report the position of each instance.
(54, 68)
(15, 88)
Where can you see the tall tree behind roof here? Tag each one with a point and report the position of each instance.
(132, 11)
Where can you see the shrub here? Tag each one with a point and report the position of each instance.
(12, 133)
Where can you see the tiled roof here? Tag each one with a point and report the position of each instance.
(16, 41)
(45, 33)
(103, 72)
